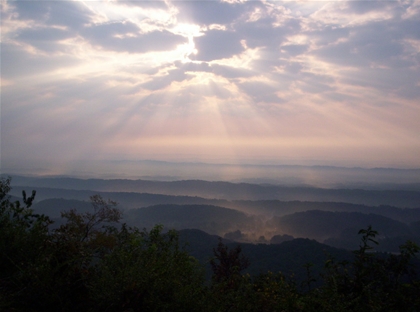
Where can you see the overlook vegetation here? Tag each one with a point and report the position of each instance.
(243, 212)
(92, 262)
(335, 224)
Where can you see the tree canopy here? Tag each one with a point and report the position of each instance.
(91, 262)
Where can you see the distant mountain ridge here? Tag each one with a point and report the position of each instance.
(338, 228)
(230, 191)
(321, 225)
(288, 257)
(240, 211)
(130, 200)
(211, 219)
(280, 174)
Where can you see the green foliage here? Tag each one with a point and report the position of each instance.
(372, 282)
(22, 243)
(229, 286)
(227, 264)
(148, 271)
(91, 263)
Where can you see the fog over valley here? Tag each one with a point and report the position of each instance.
(289, 175)
(248, 212)
(210, 156)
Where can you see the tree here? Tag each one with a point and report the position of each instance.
(227, 264)
(90, 263)
(372, 282)
(229, 287)
(23, 237)
(148, 271)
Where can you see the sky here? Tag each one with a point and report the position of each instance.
(235, 82)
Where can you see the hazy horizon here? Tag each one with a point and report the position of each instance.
(92, 87)
(289, 175)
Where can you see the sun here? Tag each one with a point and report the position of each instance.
(189, 31)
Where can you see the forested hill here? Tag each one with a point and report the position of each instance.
(131, 200)
(337, 228)
(321, 225)
(241, 219)
(93, 262)
(289, 257)
(230, 191)
(212, 219)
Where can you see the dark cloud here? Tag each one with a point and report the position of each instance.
(32, 10)
(269, 59)
(365, 45)
(45, 39)
(211, 12)
(195, 67)
(363, 7)
(410, 91)
(307, 57)
(341, 97)
(261, 33)
(293, 67)
(104, 31)
(295, 49)
(259, 91)
(65, 13)
(159, 82)
(316, 85)
(344, 53)
(232, 72)
(306, 82)
(125, 37)
(43, 34)
(386, 80)
(328, 34)
(269, 98)
(407, 28)
(217, 44)
(146, 4)
(17, 62)
(379, 44)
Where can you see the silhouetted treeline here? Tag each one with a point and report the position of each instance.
(90, 262)
(337, 228)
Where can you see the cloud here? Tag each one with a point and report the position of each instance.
(260, 91)
(44, 39)
(21, 61)
(231, 72)
(335, 80)
(210, 12)
(261, 33)
(216, 44)
(126, 37)
(161, 82)
(71, 14)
